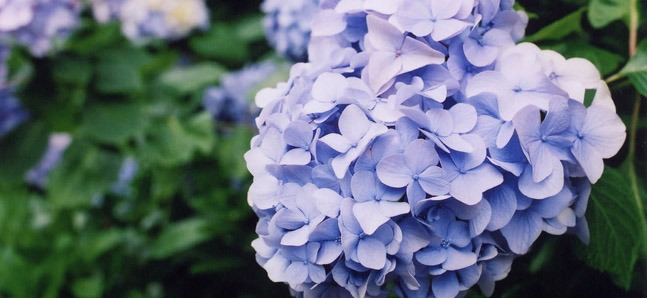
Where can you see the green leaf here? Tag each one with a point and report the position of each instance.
(605, 61)
(193, 78)
(571, 23)
(173, 141)
(118, 70)
(15, 216)
(76, 71)
(21, 150)
(636, 68)
(84, 172)
(230, 150)
(200, 132)
(603, 12)
(89, 287)
(96, 244)
(250, 29)
(165, 183)
(220, 43)
(113, 122)
(180, 236)
(615, 227)
(92, 36)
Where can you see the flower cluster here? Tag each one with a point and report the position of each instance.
(287, 26)
(38, 25)
(421, 148)
(142, 20)
(230, 101)
(11, 112)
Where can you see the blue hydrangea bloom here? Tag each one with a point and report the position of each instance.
(287, 26)
(38, 25)
(142, 20)
(231, 101)
(420, 149)
(12, 113)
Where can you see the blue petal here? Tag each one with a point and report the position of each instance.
(371, 253)
(432, 256)
(553, 206)
(503, 201)
(327, 201)
(276, 267)
(289, 219)
(414, 236)
(420, 154)
(448, 28)
(353, 123)
(363, 186)
(296, 273)
(369, 216)
(297, 237)
(296, 156)
(464, 116)
(329, 252)
(459, 258)
(337, 142)
(550, 186)
(522, 231)
(482, 219)
(433, 181)
(603, 130)
(393, 171)
(327, 230)
(298, 134)
(445, 285)
(392, 209)
(458, 234)
(327, 22)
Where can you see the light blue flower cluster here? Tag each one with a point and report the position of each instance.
(12, 113)
(287, 26)
(230, 102)
(142, 20)
(420, 147)
(38, 25)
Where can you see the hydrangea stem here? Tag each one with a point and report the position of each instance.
(633, 128)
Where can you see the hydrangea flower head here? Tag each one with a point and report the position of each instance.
(231, 100)
(39, 25)
(420, 149)
(142, 20)
(287, 26)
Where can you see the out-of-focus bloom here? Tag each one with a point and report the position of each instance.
(287, 26)
(421, 149)
(231, 101)
(12, 113)
(142, 20)
(106, 10)
(129, 168)
(38, 175)
(38, 25)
